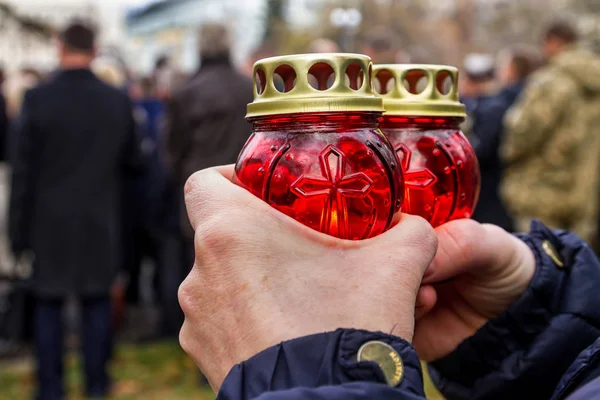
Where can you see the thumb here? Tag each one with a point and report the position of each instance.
(411, 242)
(468, 246)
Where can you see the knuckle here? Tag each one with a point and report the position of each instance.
(203, 179)
(185, 338)
(421, 232)
(429, 236)
(192, 184)
(187, 297)
(218, 231)
(203, 189)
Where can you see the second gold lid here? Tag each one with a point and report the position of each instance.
(418, 90)
(310, 83)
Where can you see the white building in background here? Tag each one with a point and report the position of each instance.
(109, 15)
(171, 28)
(19, 49)
(21, 46)
(302, 14)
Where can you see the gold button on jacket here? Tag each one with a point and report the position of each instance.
(552, 253)
(386, 357)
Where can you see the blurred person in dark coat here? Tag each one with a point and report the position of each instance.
(205, 124)
(154, 204)
(76, 142)
(142, 194)
(164, 77)
(3, 119)
(515, 65)
(485, 113)
(161, 224)
(5, 256)
(477, 80)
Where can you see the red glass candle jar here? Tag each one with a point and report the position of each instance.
(316, 153)
(422, 120)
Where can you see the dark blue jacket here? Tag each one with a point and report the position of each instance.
(546, 346)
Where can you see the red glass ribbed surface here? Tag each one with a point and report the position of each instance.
(335, 173)
(441, 171)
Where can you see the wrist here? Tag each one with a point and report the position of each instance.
(328, 359)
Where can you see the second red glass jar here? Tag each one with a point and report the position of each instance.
(421, 120)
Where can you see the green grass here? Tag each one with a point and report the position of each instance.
(155, 371)
(159, 371)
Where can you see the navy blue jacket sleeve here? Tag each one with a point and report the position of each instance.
(524, 352)
(582, 380)
(323, 367)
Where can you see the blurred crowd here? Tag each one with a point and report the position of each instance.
(534, 117)
(100, 157)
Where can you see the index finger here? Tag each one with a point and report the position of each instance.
(227, 171)
(211, 191)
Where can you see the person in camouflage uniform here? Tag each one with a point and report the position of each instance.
(552, 140)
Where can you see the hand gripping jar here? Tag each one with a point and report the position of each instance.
(316, 153)
(421, 120)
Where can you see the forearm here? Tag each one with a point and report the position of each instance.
(516, 353)
(325, 366)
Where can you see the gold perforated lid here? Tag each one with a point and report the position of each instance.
(418, 90)
(311, 83)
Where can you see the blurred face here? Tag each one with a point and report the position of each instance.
(68, 56)
(368, 51)
(135, 91)
(29, 79)
(62, 50)
(507, 73)
(551, 47)
(467, 88)
(380, 57)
